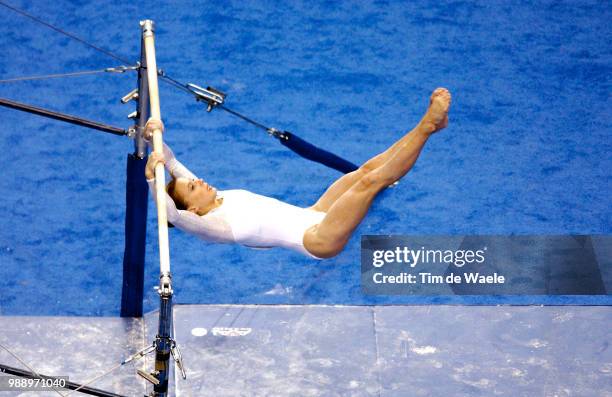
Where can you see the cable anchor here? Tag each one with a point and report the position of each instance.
(122, 68)
(140, 354)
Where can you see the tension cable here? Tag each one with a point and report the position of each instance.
(117, 69)
(216, 99)
(72, 36)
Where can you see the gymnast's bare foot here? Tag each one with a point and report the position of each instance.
(436, 117)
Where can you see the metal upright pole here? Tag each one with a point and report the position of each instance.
(164, 342)
(140, 146)
(136, 204)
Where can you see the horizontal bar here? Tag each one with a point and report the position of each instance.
(62, 117)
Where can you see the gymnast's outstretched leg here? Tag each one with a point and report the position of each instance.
(345, 182)
(329, 237)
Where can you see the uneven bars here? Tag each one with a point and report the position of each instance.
(158, 147)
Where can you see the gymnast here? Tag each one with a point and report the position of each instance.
(320, 231)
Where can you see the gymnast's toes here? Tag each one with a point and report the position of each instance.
(436, 117)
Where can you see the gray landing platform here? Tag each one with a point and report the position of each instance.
(252, 350)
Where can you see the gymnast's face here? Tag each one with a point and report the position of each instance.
(195, 195)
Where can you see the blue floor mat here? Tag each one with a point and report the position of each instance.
(527, 150)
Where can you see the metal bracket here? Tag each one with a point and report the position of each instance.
(129, 96)
(210, 95)
(131, 132)
(178, 358)
(150, 377)
(165, 286)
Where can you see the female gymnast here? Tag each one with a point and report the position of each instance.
(320, 231)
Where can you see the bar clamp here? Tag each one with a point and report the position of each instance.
(210, 95)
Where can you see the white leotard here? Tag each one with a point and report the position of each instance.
(243, 217)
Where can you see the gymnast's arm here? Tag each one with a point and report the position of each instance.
(174, 167)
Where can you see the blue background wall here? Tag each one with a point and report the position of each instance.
(527, 150)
